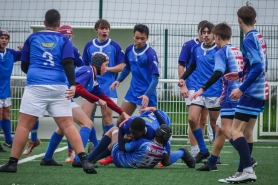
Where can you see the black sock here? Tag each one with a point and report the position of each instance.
(103, 144)
(102, 155)
(12, 160)
(82, 156)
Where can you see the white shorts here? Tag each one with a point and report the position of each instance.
(218, 121)
(187, 100)
(36, 99)
(5, 102)
(73, 105)
(208, 102)
(139, 107)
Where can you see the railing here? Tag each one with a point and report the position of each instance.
(170, 101)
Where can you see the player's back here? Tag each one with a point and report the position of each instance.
(254, 50)
(45, 51)
(228, 59)
(147, 155)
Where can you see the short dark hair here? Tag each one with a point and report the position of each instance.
(223, 30)
(247, 14)
(141, 28)
(52, 17)
(207, 25)
(201, 24)
(102, 23)
(138, 124)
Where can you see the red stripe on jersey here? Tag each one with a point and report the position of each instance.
(154, 155)
(157, 147)
(259, 36)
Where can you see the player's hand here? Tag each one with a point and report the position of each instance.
(127, 138)
(124, 116)
(103, 104)
(181, 83)
(184, 91)
(196, 94)
(70, 92)
(20, 47)
(145, 100)
(122, 123)
(147, 109)
(231, 76)
(116, 83)
(236, 94)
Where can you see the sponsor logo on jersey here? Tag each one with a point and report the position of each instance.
(47, 45)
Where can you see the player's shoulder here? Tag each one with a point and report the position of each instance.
(191, 42)
(114, 43)
(84, 69)
(129, 48)
(197, 46)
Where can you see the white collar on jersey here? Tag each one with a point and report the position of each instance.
(139, 54)
(3, 54)
(207, 49)
(101, 47)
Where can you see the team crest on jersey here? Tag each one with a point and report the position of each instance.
(48, 45)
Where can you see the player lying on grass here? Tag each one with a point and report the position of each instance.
(134, 151)
(153, 119)
(86, 87)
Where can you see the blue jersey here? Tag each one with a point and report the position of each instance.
(116, 56)
(85, 76)
(204, 60)
(152, 123)
(254, 49)
(185, 56)
(228, 59)
(7, 59)
(143, 64)
(78, 62)
(141, 153)
(45, 50)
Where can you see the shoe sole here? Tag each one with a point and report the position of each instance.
(254, 165)
(90, 171)
(31, 150)
(243, 181)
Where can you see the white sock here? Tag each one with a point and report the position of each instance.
(248, 170)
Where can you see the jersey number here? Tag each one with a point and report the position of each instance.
(50, 58)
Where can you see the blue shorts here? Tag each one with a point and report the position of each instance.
(116, 154)
(228, 108)
(249, 105)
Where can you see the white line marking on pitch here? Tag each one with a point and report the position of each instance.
(27, 159)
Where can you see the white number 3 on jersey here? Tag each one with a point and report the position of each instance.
(50, 58)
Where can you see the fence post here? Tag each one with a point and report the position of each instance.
(165, 61)
(100, 9)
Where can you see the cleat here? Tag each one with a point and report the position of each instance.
(88, 167)
(2, 149)
(90, 147)
(200, 156)
(207, 167)
(9, 168)
(243, 177)
(76, 164)
(160, 165)
(218, 161)
(9, 145)
(71, 155)
(30, 146)
(187, 158)
(108, 160)
(52, 162)
(231, 176)
(254, 162)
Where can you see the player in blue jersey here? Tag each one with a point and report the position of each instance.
(116, 55)
(227, 59)
(47, 58)
(189, 88)
(86, 87)
(251, 94)
(141, 60)
(7, 59)
(68, 31)
(203, 62)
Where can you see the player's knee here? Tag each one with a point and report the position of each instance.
(107, 121)
(192, 121)
(6, 114)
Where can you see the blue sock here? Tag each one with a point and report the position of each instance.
(106, 128)
(69, 145)
(52, 146)
(103, 144)
(85, 134)
(250, 145)
(243, 150)
(174, 156)
(93, 137)
(1, 124)
(232, 143)
(6, 126)
(212, 160)
(34, 132)
(200, 139)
